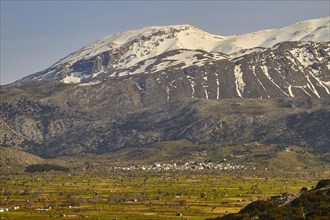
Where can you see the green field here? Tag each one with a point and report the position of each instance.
(138, 195)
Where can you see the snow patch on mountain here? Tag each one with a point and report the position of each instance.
(316, 30)
(240, 84)
(71, 79)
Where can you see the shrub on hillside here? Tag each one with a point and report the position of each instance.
(323, 183)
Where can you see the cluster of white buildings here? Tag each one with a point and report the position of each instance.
(7, 209)
(191, 166)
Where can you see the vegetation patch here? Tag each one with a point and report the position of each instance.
(45, 168)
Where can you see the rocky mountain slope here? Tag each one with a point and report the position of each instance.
(158, 84)
(49, 131)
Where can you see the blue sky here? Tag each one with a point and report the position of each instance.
(36, 34)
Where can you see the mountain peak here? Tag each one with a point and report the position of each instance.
(159, 38)
(176, 27)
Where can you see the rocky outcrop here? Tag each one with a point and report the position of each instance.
(30, 124)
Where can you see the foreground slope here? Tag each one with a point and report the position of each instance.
(313, 204)
(15, 160)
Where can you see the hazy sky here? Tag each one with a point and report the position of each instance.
(36, 34)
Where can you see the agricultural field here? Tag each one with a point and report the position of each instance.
(138, 195)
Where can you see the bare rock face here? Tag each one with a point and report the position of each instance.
(9, 137)
(27, 123)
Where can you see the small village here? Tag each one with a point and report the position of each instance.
(187, 166)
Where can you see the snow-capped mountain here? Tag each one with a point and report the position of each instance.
(171, 83)
(133, 52)
(290, 61)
